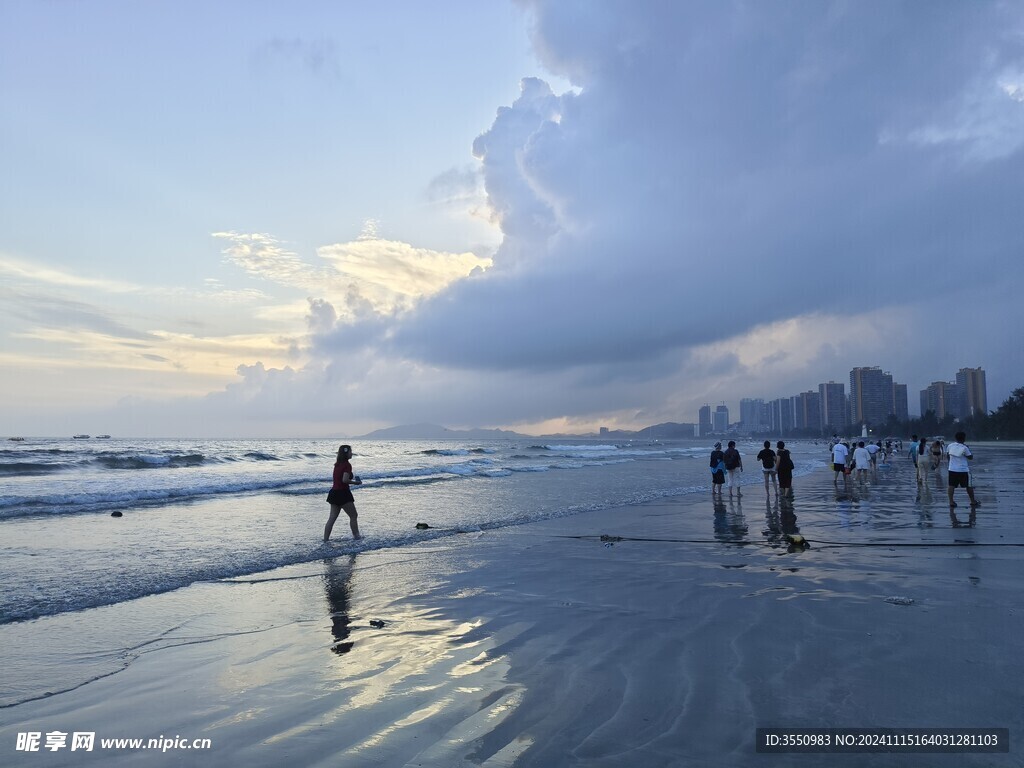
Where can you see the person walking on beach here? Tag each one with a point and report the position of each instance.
(922, 461)
(873, 450)
(936, 455)
(733, 465)
(840, 453)
(785, 467)
(717, 470)
(340, 497)
(861, 460)
(912, 454)
(959, 470)
(767, 458)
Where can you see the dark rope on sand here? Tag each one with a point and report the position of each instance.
(956, 543)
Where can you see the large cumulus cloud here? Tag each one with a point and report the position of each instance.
(734, 199)
(719, 166)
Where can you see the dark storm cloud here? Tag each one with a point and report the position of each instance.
(725, 165)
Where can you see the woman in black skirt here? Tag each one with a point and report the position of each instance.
(340, 496)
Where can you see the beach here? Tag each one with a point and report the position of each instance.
(658, 634)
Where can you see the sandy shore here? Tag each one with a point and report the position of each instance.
(542, 645)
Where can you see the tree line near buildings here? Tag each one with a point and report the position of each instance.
(1005, 423)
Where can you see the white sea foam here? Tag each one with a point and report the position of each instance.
(582, 448)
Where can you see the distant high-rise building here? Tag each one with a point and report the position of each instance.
(808, 411)
(780, 415)
(721, 417)
(870, 396)
(900, 405)
(973, 392)
(704, 424)
(832, 404)
(751, 412)
(941, 398)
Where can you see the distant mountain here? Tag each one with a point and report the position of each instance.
(666, 431)
(437, 432)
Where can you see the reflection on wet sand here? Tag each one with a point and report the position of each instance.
(337, 588)
(780, 523)
(972, 518)
(730, 525)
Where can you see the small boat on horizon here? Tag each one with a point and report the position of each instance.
(16, 439)
(102, 437)
(81, 437)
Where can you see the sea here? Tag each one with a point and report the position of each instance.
(90, 530)
(85, 523)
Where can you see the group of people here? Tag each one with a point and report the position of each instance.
(862, 457)
(927, 458)
(726, 466)
(776, 466)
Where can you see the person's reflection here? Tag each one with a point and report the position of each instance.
(773, 530)
(337, 574)
(972, 518)
(730, 525)
(787, 517)
(924, 493)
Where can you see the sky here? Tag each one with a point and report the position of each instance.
(263, 219)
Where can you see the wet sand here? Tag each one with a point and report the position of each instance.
(668, 643)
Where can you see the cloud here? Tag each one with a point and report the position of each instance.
(456, 186)
(733, 200)
(719, 168)
(318, 57)
(364, 277)
(15, 270)
(45, 310)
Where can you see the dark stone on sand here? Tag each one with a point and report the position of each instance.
(115, 514)
(376, 623)
(422, 526)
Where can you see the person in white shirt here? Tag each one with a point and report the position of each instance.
(959, 470)
(873, 449)
(839, 455)
(862, 460)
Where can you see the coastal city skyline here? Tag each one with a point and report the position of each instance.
(873, 397)
(226, 220)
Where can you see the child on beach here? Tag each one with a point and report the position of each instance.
(717, 470)
(767, 459)
(340, 497)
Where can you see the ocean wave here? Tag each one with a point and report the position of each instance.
(149, 460)
(457, 451)
(580, 447)
(15, 506)
(30, 468)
